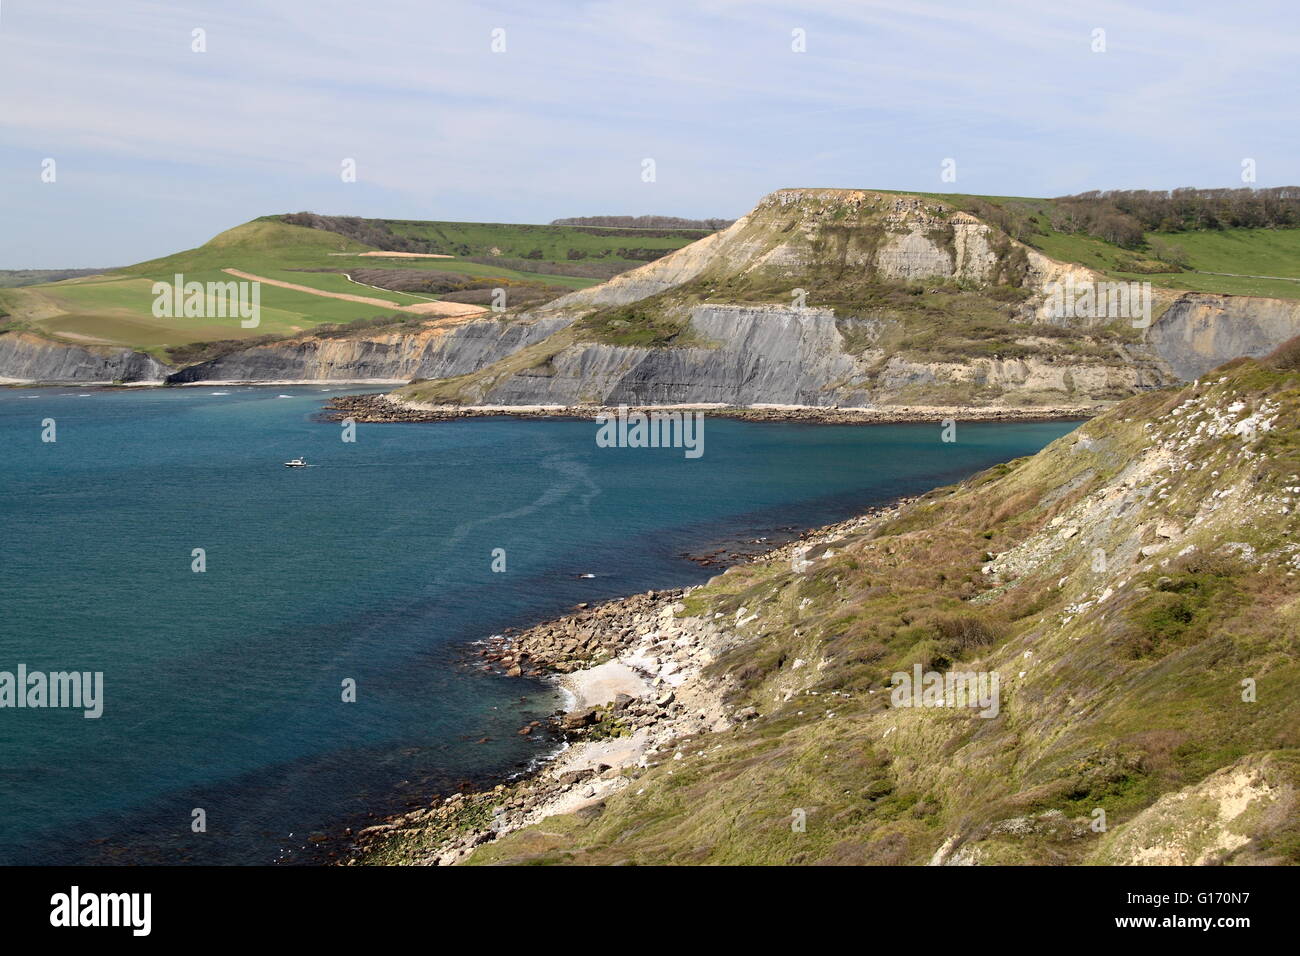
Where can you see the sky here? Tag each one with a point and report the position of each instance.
(526, 112)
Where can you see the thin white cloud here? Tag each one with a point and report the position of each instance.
(442, 127)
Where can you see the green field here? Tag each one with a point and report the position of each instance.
(546, 243)
(117, 308)
(1262, 259)
(263, 246)
(475, 270)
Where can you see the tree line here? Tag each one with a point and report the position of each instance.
(1122, 216)
(645, 222)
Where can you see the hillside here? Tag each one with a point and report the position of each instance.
(533, 264)
(1133, 586)
(817, 297)
(12, 278)
(1225, 259)
(853, 297)
(557, 248)
(644, 222)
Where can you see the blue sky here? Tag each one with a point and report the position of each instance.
(157, 147)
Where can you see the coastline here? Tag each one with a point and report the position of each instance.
(633, 672)
(380, 408)
(223, 383)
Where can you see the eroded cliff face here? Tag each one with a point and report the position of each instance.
(438, 350)
(750, 355)
(1200, 332)
(27, 358)
(755, 355)
(793, 231)
(821, 297)
(816, 297)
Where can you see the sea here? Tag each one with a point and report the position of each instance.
(285, 653)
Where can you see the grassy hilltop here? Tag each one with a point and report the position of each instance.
(1187, 255)
(532, 262)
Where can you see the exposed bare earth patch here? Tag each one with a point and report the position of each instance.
(408, 255)
(449, 309)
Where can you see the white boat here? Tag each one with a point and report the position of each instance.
(295, 463)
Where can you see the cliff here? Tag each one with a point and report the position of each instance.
(767, 354)
(853, 298)
(25, 358)
(1131, 594)
(849, 297)
(438, 349)
(1199, 332)
(817, 297)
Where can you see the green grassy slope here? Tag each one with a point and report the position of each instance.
(1273, 254)
(116, 308)
(1122, 675)
(545, 243)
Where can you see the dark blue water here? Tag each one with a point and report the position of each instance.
(223, 689)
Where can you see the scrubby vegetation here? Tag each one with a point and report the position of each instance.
(1123, 216)
(646, 323)
(540, 246)
(1123, 679)
(458, 287)
(1234, 241)
(645, 222)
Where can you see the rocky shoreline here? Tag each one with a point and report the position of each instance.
(634, 670)
(379, 408)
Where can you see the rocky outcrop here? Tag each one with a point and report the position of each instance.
(769, 354)
(802, 247)
(26, 358)
(438, 350)
(793, 230)
(881, 343)
(1200, 331)
(636, 675)
(1228, 818)
(746, 355)
(1027, 379)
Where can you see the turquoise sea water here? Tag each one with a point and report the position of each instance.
(222, 689)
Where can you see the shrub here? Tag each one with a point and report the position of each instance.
(1286, 357)
(964, 632)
